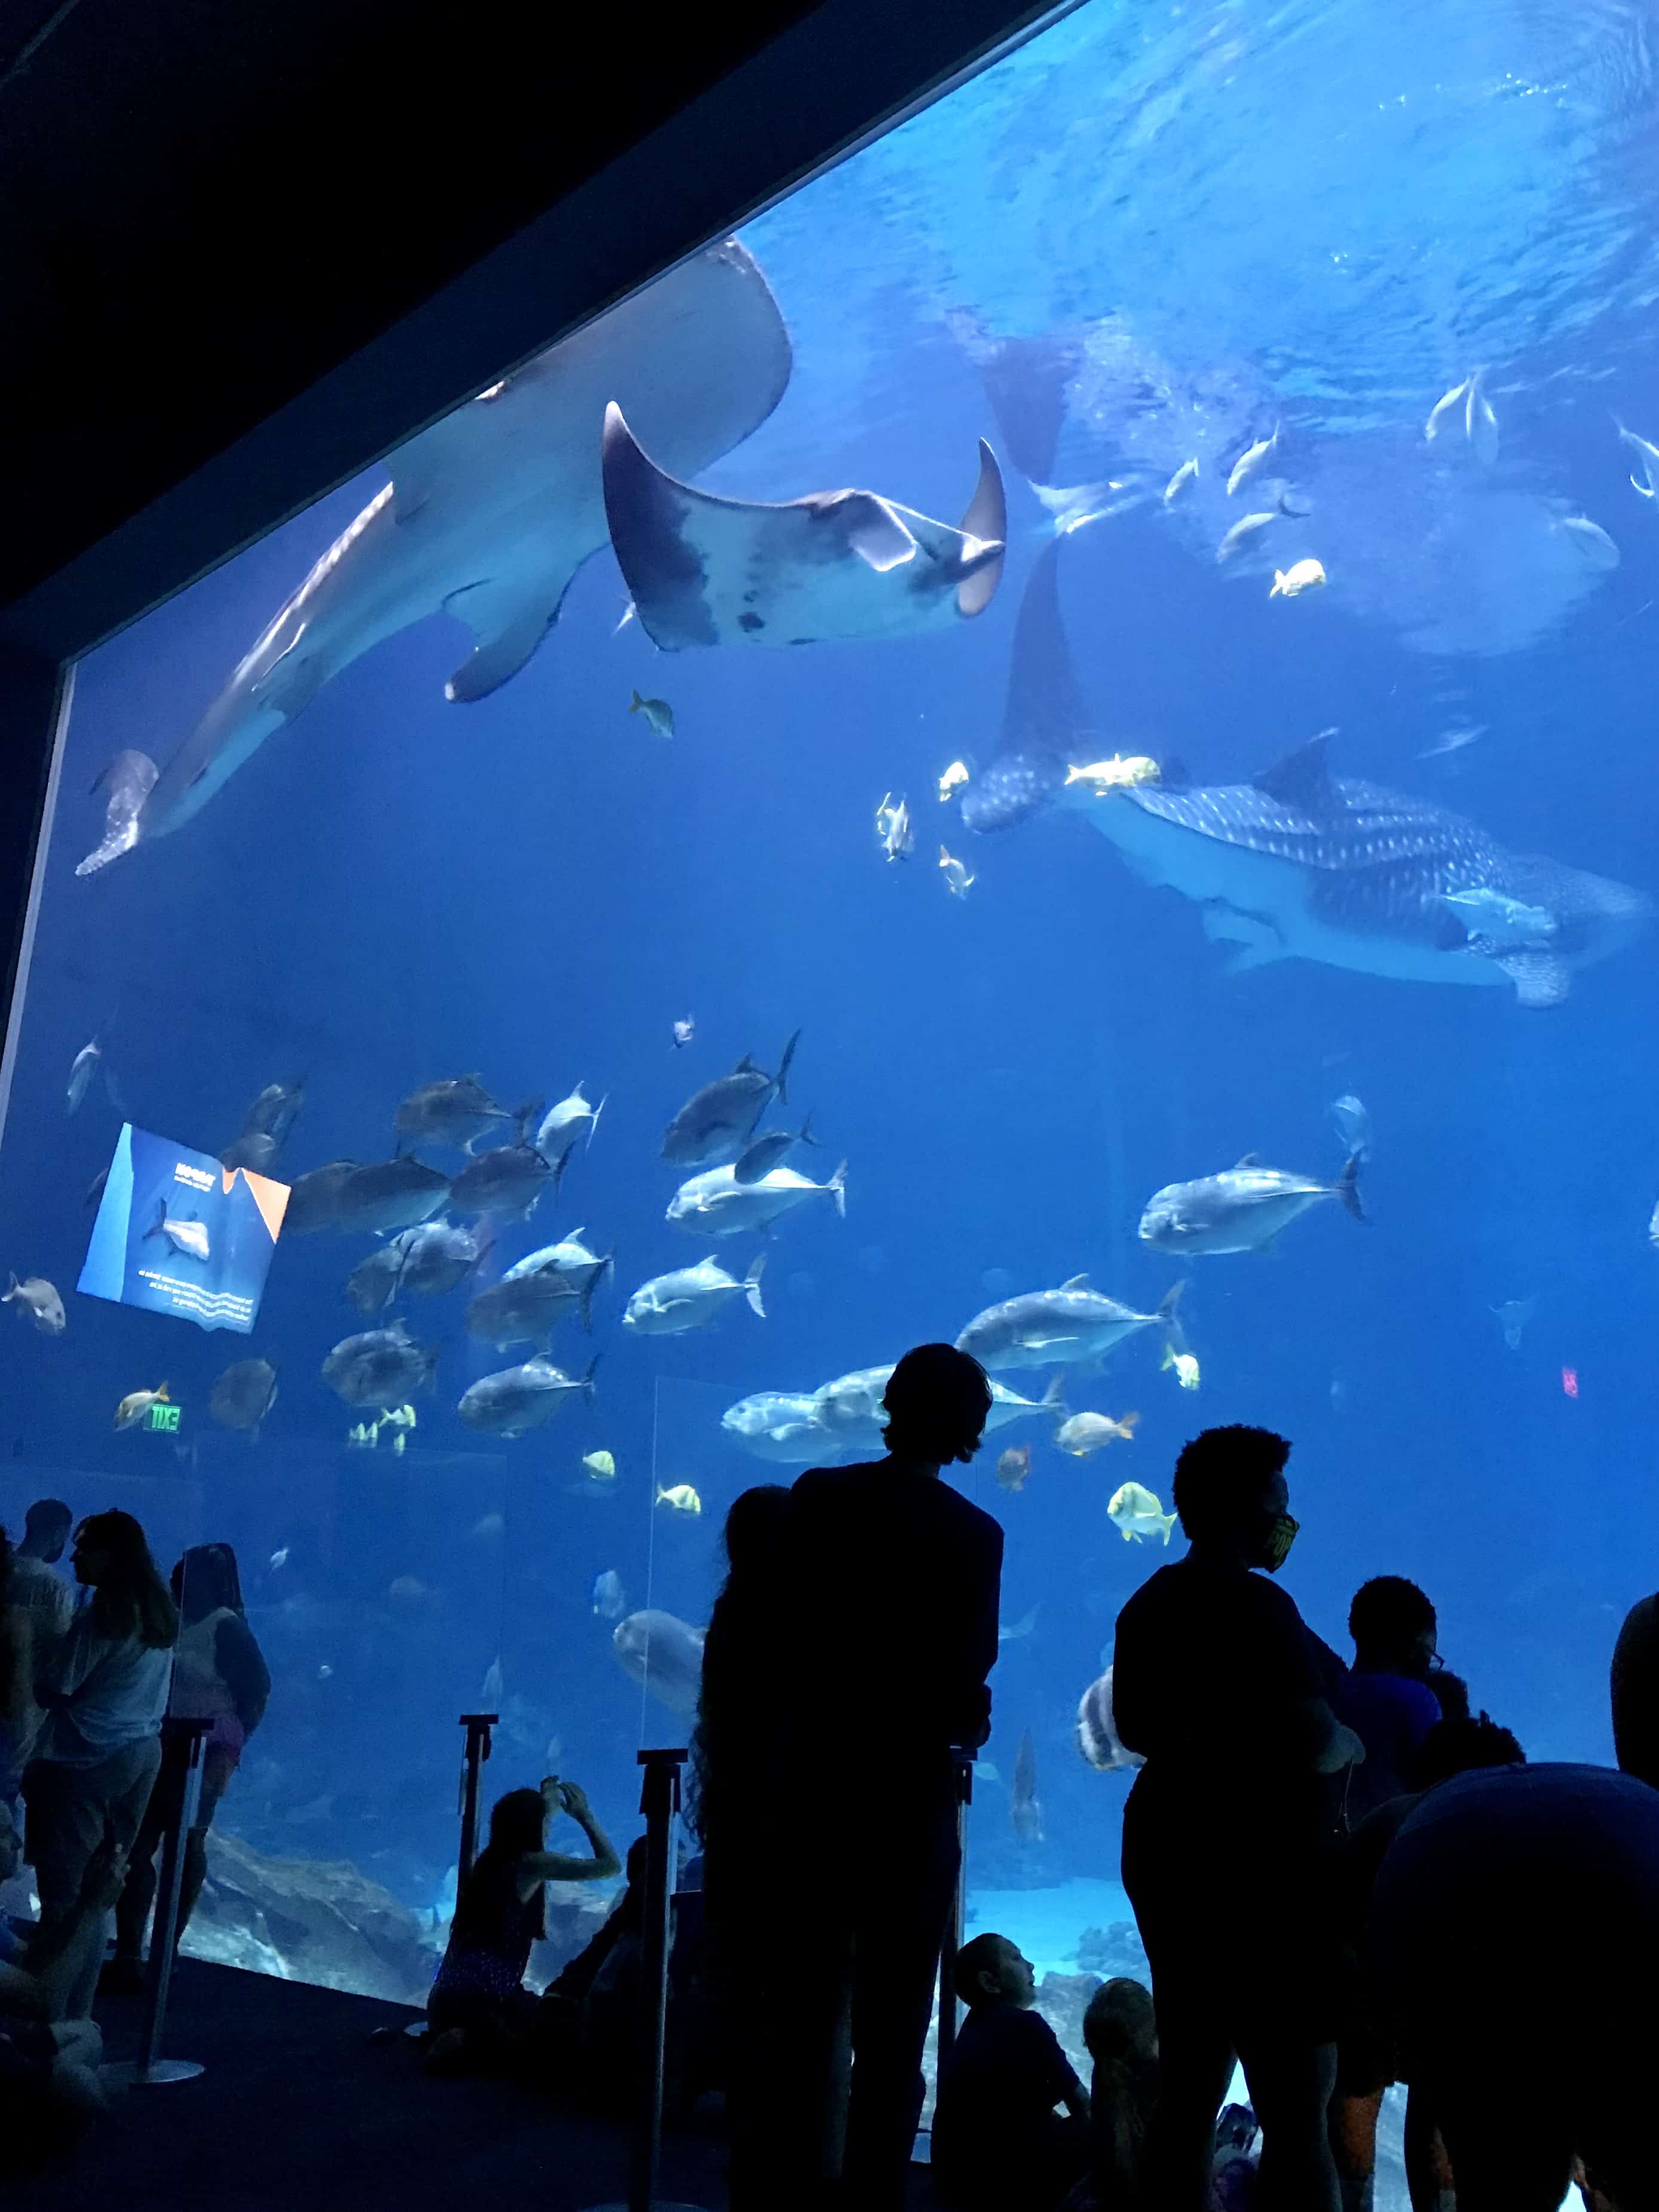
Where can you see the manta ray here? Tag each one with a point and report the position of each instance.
(491, 513)
(837, 564)
(1300, 864)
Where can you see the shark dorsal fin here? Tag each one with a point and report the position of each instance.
(1076, 1283)
(1303, 778)
(1247, 1160)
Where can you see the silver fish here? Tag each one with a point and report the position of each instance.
(243, 1394)
(457, 1111)
(505, 1184)
(715, 1204)
(82, 1069)
(1443, 407)
(38, 1300)
(608, 1600)
(313, 1200)
(658, 714)
(563, 1127)
(524, 1309)
(380, 1367)
(769, 1150)
(1024, 1812)
(1353, 1125)
(1253, 458)
(1241, 535)
(781, 1426)
(255, 1154)
(1240, 1210)
(434, 1256)
(664, 1655)
(389, 1195)
(518, 1399)
(1056, 1329)
(1647, 459)
(690, 1298)
(716, 1122)
(1183, 475)
(276, 1109)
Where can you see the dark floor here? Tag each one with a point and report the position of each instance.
(298, 2112)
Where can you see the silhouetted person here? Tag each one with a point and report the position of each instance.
(1120, 2029)
(1385, 1698)
(1522, 2065)
(1220, 1687)
(103, 1690)
(739, 1760)
(998, 2144)
(37, 1587)
(892, 1594)
(1636, 1691)
(1366, 2060)
(219, 1674)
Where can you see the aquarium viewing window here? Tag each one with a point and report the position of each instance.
(1049, 746)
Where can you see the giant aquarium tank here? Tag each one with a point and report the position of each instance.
(1209, 746)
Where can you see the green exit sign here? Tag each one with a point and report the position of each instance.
(165, 1417)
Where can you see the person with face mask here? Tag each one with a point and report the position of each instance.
(1221, 1687)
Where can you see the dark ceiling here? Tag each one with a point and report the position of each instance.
(243, 249)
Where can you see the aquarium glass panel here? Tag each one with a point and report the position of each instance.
(1053, 745)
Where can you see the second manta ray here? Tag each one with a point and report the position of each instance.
(837, 564)
(1301, 865)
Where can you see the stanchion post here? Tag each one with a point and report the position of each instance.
(149, 2070)
(962, 1760)
(659, 1801)
(477, 1749)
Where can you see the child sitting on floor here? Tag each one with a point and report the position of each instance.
(998, 2144)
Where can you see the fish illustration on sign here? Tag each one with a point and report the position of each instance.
(491, 512)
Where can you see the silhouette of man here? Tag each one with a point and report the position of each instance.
(36, 1585)
(1636, 1691)
(893, 1585)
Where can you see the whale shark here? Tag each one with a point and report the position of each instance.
(1301, 865)
(1043, 721)
(491, 512)
(837, 564)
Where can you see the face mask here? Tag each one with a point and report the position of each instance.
(1276, 1545)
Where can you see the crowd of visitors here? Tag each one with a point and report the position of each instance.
(1338, 1870)
(89, 1672)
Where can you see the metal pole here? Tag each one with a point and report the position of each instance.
(477, 1727)
(659, 1801)
(961, 1761)
(149, 2070)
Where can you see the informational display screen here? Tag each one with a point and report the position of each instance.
(177, 1233)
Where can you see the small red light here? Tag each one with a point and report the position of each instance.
(1570, 1381)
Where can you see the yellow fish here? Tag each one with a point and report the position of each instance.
(1138, 1514)
(1185, 1365)
(681, 1497)
(395, 1417)
(956, 877)
(600, 1466)
(136, 1403)
(952, 781)
(400, 1441)
(1300, 576)
(1117, 774)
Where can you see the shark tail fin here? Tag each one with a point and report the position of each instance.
(751, 1289)
(1347, 1186)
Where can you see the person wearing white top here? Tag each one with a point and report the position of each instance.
(103, 1690)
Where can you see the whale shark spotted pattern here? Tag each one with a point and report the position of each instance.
(1300, 864)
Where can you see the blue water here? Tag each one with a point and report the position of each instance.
(1323, 217)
